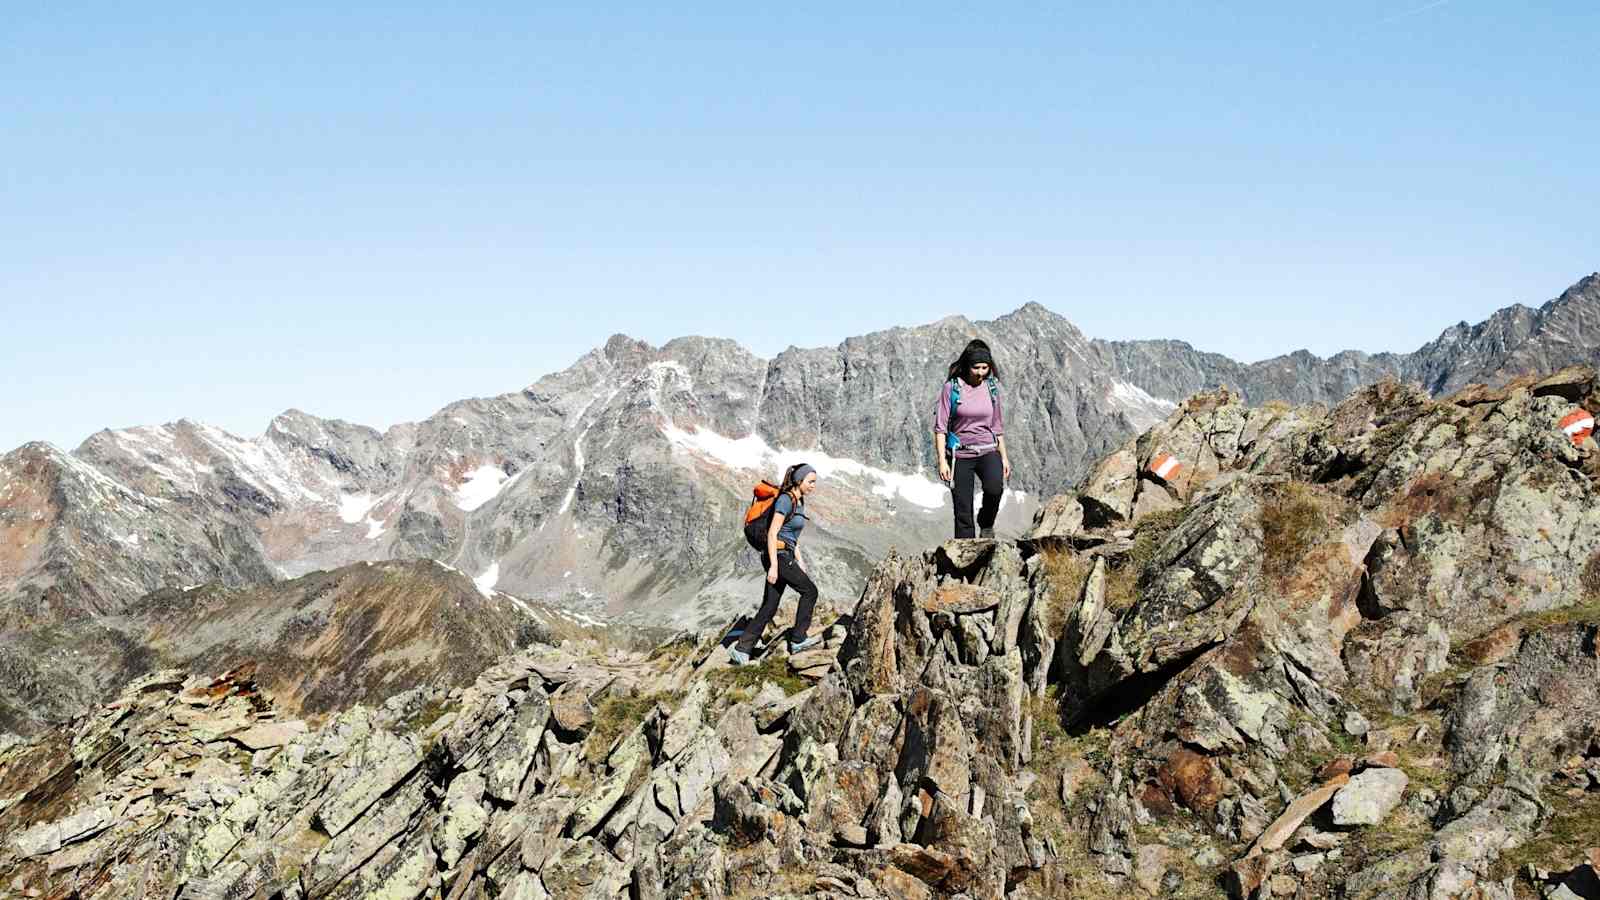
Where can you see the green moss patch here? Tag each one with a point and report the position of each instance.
(430, 712)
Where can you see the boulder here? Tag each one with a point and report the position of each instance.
(1369, 797)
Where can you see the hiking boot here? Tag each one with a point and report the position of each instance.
(986, 533)
(738, 657)
(813, 641)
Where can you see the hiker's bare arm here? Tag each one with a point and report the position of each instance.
(1005, 461)
(938, 453)
(772, 547)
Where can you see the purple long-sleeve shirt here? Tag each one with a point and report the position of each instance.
(979, 422)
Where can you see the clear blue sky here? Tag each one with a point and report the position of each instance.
(370, 211)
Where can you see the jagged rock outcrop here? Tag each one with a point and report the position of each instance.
(1316, 581)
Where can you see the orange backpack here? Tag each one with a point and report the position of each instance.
(758, 518)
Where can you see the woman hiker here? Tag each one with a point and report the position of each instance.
(968, 425)
(781, 559)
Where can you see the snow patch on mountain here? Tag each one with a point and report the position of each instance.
(261, 464)
(481, 486)
(354, 507)
(1130, 395)
(747, 453)
(752, 453)
(487, 580)
(577, 452)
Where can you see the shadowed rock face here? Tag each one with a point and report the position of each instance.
(615, 487)
(1242, 682)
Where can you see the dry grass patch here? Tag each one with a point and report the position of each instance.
(617, 715)
(1066, 572)
(1585, 612)
(1122, 578)
(1561, 844)
(1403, 830)
(1053, 747)
(1295, 517)
(429, 713)
(665, 655)
(773, 667)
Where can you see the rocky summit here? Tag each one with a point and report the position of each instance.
(1272, 651)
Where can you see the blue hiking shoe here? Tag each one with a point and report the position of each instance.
(738, 657)
(813, 641)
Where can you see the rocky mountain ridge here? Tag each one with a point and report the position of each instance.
(1346, 652)
(612, 487)
(319, 642)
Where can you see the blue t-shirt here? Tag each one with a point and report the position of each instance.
(793, 519)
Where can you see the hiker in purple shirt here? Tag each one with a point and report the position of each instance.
(969, 437)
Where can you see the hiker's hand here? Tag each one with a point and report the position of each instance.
(1005, 469)
(772, 575)
(944, 471)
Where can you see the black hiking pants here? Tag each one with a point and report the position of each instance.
(789, 575)
(992, 474)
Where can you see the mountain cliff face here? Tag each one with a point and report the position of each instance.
(1346, 652)
(615, 487)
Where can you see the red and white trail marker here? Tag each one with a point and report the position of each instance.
(1578, 425)
(1165, 467)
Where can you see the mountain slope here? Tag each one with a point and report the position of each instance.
(320, 642)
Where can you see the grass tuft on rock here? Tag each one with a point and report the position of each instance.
(618, 714)
(673, 650)
(1122, 577)
(1401, 831)
(1065, 571)
(1295, 517)
(429, 713)
(1559, 846)
(773, 667)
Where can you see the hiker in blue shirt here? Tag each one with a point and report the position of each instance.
(781, 558)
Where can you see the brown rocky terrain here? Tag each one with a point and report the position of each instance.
(1346, 652)
(319, 642)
